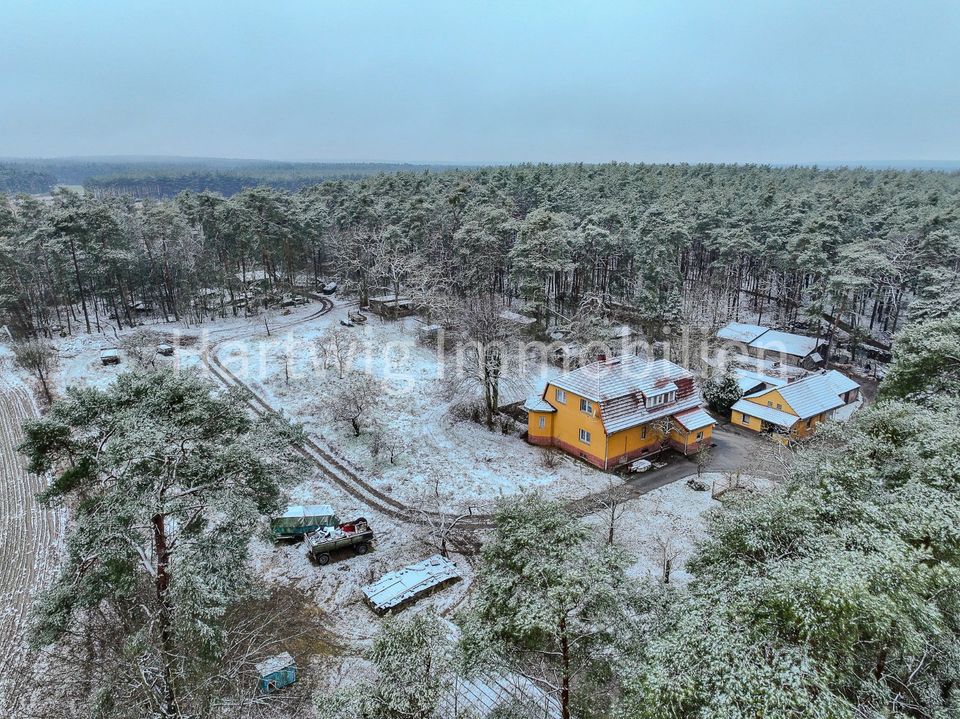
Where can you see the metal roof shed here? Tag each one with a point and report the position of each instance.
(740, 332)
(394, 590)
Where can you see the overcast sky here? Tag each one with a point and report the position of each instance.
(460, 81)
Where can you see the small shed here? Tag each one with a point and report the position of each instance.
(391, 305)
(276, 672)
(394, 590)
(110, 356)
(329, 288)
(165, 350)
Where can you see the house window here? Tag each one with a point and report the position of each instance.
(543, 422)
(779, 406)
(561, 396)
(744, 418)
(643, 432)
(769, 403)
(586, 406)
(699, 436)
(584, 436)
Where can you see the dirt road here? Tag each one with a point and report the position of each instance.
(28, 534)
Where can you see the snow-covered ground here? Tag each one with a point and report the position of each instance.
(669, 521)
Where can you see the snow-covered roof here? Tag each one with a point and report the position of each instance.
(840, 382)
(814, 394)
(620, 376)
(749, 380)
(694, 419)
(786, 342)
(111, 352)
(536, 403)
(275, 664)
(390, 299)
(740, 332)
(414, 580)
(767, 414)
(299, 511)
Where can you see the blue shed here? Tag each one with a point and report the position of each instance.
(276, 672)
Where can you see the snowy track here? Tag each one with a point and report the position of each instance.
(28, 532)
(333, 468)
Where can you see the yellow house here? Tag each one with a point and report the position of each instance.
(796, 408)
(617, 410)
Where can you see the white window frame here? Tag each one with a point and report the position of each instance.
(543, 422)
(586, 406)
(745, 418)
(663, 398)
(561, 396)
(584, 436)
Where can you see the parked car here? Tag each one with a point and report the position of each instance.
(356, 534)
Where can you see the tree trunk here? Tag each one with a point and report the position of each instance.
(168, 700)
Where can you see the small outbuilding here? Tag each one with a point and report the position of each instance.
(391, 305)
(276, 672)
(165, 350)
(110, 356)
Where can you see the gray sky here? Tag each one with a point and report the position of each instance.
(670, 80)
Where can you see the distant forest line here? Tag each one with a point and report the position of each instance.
(166, 177)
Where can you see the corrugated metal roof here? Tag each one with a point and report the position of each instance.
(694, 419)
(740, 332)
(767, 414)
(298, 511)
(785, 342)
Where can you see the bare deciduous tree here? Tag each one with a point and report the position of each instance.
(354, 399)
(39, 359)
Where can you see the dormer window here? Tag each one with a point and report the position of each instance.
(661, 395)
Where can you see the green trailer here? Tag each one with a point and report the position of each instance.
(300, 520)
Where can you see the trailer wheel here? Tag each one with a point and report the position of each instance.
(323, 559)
(362, 549)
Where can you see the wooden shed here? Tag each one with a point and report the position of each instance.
(391, 305)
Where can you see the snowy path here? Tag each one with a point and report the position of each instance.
(28, 532)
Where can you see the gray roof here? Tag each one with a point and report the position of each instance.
(748, 379)
(275, 664)
(814, 394)
(414, 580)
(536, 403)
(622, 385)
(299, 511)
(694, 419)
(786, 342)
(768, 414)
(740, 332)
(619, 376)
(840, 382)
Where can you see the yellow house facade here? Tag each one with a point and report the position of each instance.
(795, 409)
(618, 410)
